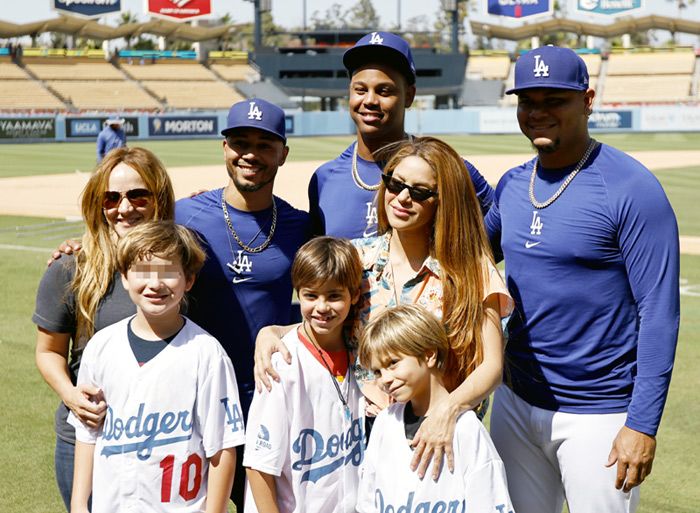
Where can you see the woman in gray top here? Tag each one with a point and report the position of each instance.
(79, 295)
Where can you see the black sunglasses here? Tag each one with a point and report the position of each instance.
(395, 186)
(137, 198)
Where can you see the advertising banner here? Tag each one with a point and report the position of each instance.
(27, 128)
(90, 127)
(519, 8)
(610, 119)
(178, 10)
(87, 8)
(669, 119)
(498, 121)
(608, 7)
(179, 126)
(289, 124)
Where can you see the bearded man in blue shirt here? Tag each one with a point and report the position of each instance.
(592, 261)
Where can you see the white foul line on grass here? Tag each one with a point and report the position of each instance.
(26, 248)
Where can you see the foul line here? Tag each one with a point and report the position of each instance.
(26, 248)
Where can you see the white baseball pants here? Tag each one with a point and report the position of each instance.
(553, 456)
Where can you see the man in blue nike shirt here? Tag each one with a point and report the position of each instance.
(343, 191)
(592, 260)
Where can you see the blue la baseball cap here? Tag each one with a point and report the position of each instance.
(551, 67)
(385, 48)
(256, 113)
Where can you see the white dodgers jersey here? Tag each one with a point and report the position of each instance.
(388, 484)
(164, 420)
(301, 433)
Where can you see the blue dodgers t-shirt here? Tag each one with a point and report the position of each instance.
(340, 208)
(594, 277)
(236, 293)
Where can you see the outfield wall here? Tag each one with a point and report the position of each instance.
(207, 125)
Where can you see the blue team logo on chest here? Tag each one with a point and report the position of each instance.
(319, 457)
(144, 431)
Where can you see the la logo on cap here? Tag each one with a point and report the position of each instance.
(376, 39)
(254, 112)
(541, 69)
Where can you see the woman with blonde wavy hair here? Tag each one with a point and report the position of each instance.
(79, 295)
(431, 250)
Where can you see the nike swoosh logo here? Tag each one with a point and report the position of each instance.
(241, 280)
(370, 232)
(529, 244)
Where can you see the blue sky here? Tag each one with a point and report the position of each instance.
(289, 12)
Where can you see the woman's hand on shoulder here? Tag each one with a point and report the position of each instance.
(67, 247)
(433, 440)
(87, 402)
(267, 343)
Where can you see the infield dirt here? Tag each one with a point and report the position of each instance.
(58, 195)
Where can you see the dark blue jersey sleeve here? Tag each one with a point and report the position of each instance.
(483, 190)
(648, 237)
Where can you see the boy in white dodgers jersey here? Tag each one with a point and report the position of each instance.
(305, 438)
(173, 417)
(407, 347)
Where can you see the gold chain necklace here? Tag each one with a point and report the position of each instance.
(356, 176)
(245, 246)
(591, 146)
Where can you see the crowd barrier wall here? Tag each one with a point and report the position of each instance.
(207, 125)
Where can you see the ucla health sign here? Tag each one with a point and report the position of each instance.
(91, 127)
(87, 8)
(519, 8)
(608, 7)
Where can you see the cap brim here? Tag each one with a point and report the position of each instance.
(360, 56)
(536, 85)
(226, 131)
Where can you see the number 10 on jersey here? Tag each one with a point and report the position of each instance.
(190, 477)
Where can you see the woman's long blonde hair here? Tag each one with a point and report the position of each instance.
(458, 242)
(96, 262)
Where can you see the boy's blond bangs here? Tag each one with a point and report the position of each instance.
(405, 329)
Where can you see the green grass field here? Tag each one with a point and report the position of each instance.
(27, 403)
(36, 159)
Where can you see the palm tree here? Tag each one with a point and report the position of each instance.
(126, 18)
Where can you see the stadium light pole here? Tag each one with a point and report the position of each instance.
(260, 7)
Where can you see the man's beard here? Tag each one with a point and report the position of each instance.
(546, 148)
(245, 187)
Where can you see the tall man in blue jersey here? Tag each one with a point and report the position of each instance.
(112, 136)
(250, 237)
(342, 192)
(591, 249)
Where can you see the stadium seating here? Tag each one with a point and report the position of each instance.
(107, 94)
(651, 63)
(76, 71)
(10, 70)
(488, 66)
(592, 61)
(235, 72)
(22, 95)
(193, 95)
(649, 77)
(647, 89)
(165, 71)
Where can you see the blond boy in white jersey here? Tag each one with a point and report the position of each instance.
(407, 347)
